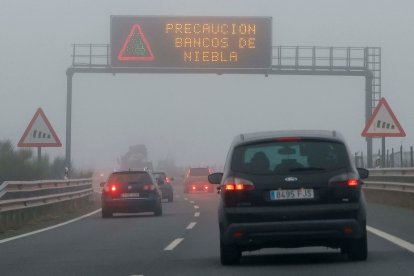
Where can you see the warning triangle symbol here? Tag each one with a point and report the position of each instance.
(136, 46)
(383, 122)
(39, 133)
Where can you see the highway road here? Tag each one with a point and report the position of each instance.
(184, 241)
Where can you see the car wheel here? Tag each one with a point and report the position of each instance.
(158, 211)
(229, 254)
(357, 249)
(106, 213)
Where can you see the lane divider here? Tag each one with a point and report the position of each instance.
(185, 198)
(196, 207)
(191, 225)
(196, 214)
(192, 202)
(49, 228)
(173, 244)
(395, 240)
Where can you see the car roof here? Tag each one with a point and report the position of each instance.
(130, 171)
(266, 135)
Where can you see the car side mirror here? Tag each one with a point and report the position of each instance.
(215, 178)
(363, 173)
(102, 184)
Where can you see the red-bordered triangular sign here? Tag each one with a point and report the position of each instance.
(136, 46)
(39, 133)
(383, 122)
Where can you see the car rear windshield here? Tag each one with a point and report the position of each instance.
(199, 172)
(130, 178)
(160, 175)
(293, 156)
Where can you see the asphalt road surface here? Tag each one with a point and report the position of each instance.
(185, 241)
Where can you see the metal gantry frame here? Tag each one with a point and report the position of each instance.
(286, 60)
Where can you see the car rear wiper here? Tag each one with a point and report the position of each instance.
(306, 169)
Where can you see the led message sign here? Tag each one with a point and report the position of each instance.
(191, 42)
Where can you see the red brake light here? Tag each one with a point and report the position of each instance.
(288, 139)
(149, 187)
(193, 187)
(352, 182)
(238, 184)
(167, 180)
(113, 188)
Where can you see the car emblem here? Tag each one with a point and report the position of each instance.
(291, 179)
(129, 187)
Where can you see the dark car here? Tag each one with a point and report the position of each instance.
(164, 183)
(291, 189)
(131, 191)
(196, 180)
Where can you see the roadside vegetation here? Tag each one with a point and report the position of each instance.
(22, 165)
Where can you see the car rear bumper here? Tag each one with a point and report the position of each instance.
(130, 205)
(292, 233)
(166, 192)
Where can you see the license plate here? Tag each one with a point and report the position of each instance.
(291, 194)
(130, 195)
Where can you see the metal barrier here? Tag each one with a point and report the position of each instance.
(391, 186)
(15, 195)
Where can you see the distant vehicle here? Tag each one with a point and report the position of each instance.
(131, 191)
(291, 189)
(164, 183)
(196, 179)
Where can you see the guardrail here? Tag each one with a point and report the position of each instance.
(21, 201)
(394, 186)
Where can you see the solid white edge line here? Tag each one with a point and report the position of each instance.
(173, 244)
(49, 228)
(196, 206)
(197, 214)
(395, 240)
(191, 225)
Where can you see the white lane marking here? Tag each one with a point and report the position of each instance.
(391, 238)
(196, 206)
(177, 196)
(191, 225)
(197, 214)
(49, 228)
(185, 198)
(173, 244)
(192, 202)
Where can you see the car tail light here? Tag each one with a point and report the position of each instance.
(352, 182)
(111, 187)
(167, 180)
(206, 187)
(344, 181)
(194, 187)
(149, 187)
(238, 184)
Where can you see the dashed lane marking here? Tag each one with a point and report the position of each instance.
(191, 225)
(196, 214)
(185, 198)
(173, 244)
(49, 228)
(395, 240)
(192, 202)
(196, 207)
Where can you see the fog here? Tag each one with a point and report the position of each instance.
(193, 117)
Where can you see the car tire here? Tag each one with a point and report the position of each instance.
(357, 249)
(229, 254)
(158, 211)
(106, 213)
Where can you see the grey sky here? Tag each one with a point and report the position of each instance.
(194, 117)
